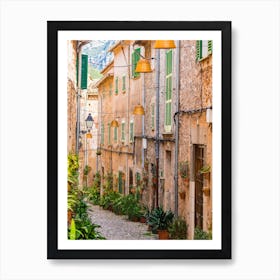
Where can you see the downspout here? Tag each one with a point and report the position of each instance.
(177, 81)
(143, 119)
(128, 122)
(157, 123)
(78, 98)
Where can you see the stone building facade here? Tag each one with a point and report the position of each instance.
(195, 135)
(120, 90)
(71, 96)
(166, 153)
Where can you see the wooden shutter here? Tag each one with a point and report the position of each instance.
(135, 58)
(168, 94)
(84, 74)
(109, 133)
(210, 43)
(115, 134)
(120, 182)
(123, 83)
(123, 135)
(198, 50)
(116, 85)
(131, 132)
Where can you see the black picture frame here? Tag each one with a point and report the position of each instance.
(53, 27)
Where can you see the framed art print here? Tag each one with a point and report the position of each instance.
(139, 140)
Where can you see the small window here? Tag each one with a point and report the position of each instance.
(116, 85)
(131, 132)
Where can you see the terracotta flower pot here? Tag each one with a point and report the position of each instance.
(182, 195)
(163, 234)
(142, 220)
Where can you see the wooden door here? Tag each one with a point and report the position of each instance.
(198, 164)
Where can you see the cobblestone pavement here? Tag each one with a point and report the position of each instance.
(117, 227)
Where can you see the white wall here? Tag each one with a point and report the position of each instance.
(255, 127)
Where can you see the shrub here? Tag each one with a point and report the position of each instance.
(93, 195)
(159, 219)
(178, 229)
(199, 234)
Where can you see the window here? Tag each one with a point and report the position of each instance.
(153, 116)
(131, 132)
(123, 131)
(109, 133)
(116, 85)
(168, 94)
(135, 58)
(115, 134)
(203, 49)
(102, 133)
(123, 83)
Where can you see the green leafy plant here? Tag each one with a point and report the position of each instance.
(199, 234)
(93, 195)
(159, 219)
(178, 229)
(72, 233)
(205, 169)
(87, 169)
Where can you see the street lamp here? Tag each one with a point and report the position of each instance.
(89, 122)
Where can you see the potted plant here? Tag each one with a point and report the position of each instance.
(178, 229)
(98, 152)
(205, 170)
(160, 221)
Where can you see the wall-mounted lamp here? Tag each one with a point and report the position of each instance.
(143, 66)
(165, 44)
(139, 110)
(114, 123)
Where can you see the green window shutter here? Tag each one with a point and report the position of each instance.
(123, 83)
(168, 94)
(131, 132)
(102, 134)
(123, 132)
(115, 134)
(210, 44)
(198, 49)
(109, 133)
(135, 58)
(84, 74)
(116, 85)
(120, 182)
(169, 62)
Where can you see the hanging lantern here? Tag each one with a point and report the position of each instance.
(143, 66)
(165, 44)
(88, 135)
(114, 123)
(138, 110)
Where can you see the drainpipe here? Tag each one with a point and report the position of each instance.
(143, 118)
(128, 122)
(177, 82)
(157, 122)
(78, 99)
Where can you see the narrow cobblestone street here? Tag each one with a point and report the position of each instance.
(115, 227)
